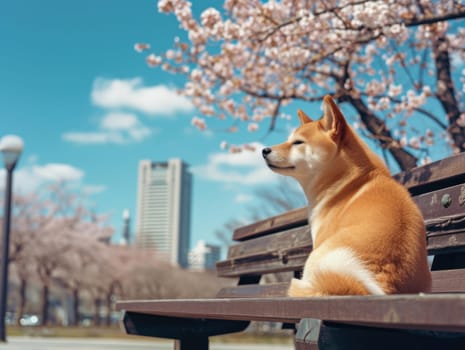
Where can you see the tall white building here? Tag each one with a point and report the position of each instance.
(164, 209)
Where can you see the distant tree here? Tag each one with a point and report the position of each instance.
(73, 274)
(104, 280)
(48, 256)
(273, 200)
(145, 276)
(49, 230)
(395, 63)
(27, 223)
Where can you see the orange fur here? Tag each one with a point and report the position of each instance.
(369, 236)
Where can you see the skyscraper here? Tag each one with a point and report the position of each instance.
(163, 209)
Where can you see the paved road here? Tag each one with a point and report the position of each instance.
(36, 343)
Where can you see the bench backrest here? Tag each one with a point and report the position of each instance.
(282, 243)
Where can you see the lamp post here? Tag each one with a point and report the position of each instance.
(126, 220)
(11, 146)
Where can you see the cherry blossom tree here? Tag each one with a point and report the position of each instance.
(25, 230)
(75, 272)
(104, 280)
(396, 64)
(58, 246)
(52, 233)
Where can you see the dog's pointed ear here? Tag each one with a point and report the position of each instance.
(304, 119)
(333, 120)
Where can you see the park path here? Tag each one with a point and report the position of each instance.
(37, 343)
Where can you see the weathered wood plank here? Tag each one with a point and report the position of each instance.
(290, 260)
(443, 173)
(277, 244)
(290, 219)
(255, 291)
(440, 203)
(283, 251)
(435, 312)
(451, 242)
(288, 250)
(448, 281)
(445, 281)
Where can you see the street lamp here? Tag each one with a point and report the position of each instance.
(126, 220)
(11, 146)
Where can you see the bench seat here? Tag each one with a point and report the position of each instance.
(441, 312)
(282, 244)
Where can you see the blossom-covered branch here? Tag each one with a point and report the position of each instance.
(246, 62)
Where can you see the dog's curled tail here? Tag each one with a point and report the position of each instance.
(327, 283)
(300, 288)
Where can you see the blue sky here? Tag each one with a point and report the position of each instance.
(89, 108)
(72, 86)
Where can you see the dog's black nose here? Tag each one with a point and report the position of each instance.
(266, 151)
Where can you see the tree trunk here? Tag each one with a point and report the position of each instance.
(97, 311)
(446, 91)
(22, 300)
(76, 315)
(44, 305)
(379, 130)
(109, 303)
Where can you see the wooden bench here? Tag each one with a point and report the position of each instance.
(282, 243)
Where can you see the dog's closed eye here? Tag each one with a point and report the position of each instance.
(297, 142)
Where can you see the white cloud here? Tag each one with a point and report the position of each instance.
(457, 60)
(57, 172)
(94, 189)
(243, 198)
(132, 94)
(32, 177)
(114, 127)
(90, 137)
(245, 168)
(119, 121)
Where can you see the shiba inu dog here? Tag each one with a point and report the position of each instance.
(368, 234)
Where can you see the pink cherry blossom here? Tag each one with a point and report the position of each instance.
(247, 61)
(153, 60)
(252, 127)
(199, 123)
(140, 47)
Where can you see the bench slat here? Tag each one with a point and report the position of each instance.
(432, 206)
(452, 242)
(448, 281)
(288, 250)
(435, 312)
(444, 281)
(254, 291)
(443, 173)
(290, 219)
(276, 244)
(283, 251)
(290, 260)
